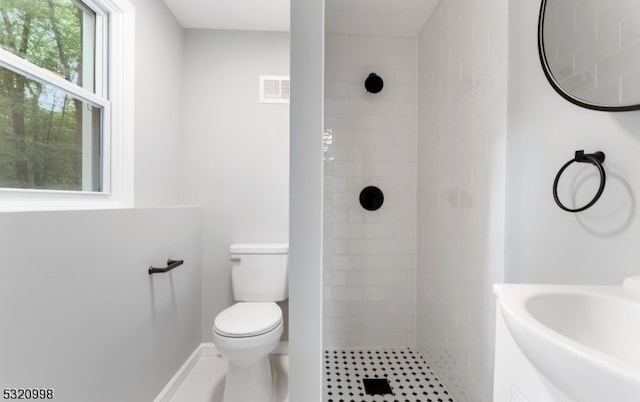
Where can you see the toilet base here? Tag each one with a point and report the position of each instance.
(250, 380)
(249, 374)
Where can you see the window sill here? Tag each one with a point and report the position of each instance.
(34, 200)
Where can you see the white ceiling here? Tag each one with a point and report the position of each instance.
(389, 17)
(252, 15)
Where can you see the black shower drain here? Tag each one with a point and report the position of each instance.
(377, 386)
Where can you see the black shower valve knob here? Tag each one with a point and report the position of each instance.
(373, 83)
(371, 198)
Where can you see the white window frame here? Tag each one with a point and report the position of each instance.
(115, 29)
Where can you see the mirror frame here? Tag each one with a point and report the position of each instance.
(559, 89)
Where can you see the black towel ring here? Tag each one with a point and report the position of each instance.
(596, 159)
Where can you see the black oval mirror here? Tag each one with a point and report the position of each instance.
(590, 51)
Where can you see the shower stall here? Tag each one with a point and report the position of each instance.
(413, 216)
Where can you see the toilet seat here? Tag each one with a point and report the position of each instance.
(247, 319)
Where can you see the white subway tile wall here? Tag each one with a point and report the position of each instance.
(371, 140)
(462, 75)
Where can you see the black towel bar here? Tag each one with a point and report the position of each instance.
(171, 264)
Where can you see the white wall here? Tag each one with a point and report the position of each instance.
(82, 314)
(462, 75)
(235, 150)
(79, 311)
(370, 256)
(158, 96)
(305, 255)
(544, 243)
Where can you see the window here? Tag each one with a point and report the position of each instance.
(65, 114)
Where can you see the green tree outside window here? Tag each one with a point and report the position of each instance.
(42, 127)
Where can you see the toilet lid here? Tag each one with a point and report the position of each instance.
(248, 319)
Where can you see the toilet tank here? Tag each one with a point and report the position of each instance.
(260, 271)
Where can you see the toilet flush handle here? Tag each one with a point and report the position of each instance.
(235, 259)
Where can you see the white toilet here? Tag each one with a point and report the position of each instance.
(248, 331)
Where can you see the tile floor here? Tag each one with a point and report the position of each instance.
(407, 373)
(205, 383)
(409, 377)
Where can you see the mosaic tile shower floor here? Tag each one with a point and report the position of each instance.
(409, 376)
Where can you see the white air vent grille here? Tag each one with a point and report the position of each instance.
(274, 89)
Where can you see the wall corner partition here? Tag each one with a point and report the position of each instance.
(305, 230)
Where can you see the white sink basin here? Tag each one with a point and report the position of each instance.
(583, 339)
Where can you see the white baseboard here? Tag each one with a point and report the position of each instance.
(172, 387)
(203, 350)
